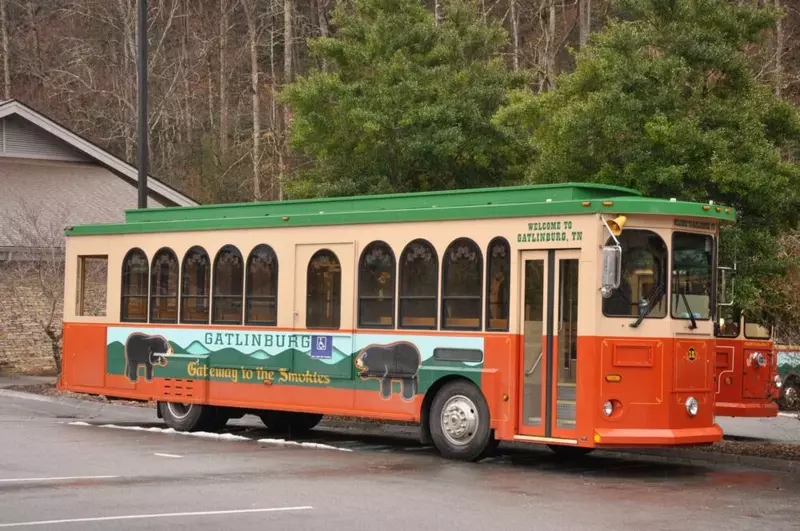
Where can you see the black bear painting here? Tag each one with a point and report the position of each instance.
(387, 363)
(147, 350)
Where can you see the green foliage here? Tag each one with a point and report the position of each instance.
(406, 104)
(664, 101)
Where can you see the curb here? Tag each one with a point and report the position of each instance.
(695, 456)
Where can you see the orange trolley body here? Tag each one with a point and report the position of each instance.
(747, 380)
(578, 316)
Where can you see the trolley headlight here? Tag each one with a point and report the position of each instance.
(608, 408)
(692, 406)
(758, 359)
(778, 381)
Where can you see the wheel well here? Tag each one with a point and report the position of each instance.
(433, 390)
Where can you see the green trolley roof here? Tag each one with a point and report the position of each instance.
(478, 203)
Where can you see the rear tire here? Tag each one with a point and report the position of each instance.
(569, 452)
(289, 422)
(459, 422)
(188, 417)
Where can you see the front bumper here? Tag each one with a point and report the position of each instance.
(622, 437)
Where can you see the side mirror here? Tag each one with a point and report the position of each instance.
(725, 282)
(612, 269)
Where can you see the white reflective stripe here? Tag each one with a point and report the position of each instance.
(144, 516)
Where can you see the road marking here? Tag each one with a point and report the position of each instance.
(161, 515)
(168, 455)
(12, 480)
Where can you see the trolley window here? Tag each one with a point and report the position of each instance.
(692, 288)
(134, 287)
(324, 286)
(195, 286)
(756, 326)
(419, 284)
(376, 286)
(643, 279)
(262, 286)
(498, 266)
(228, 286)
(462, 286)
(164, 287)
(729, 318)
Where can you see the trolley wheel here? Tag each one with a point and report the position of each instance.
(791, 394)
(459, 422)
(188, 417)
(570, 452)
(289, 421)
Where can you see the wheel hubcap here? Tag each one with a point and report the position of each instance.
(790, 397)
(459, 420)
(179, 411)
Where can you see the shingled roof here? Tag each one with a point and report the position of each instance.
(58, 177)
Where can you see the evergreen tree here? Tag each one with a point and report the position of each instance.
(664, 100)
(406, 103)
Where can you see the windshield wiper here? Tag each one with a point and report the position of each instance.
(654, 298)
(682, 293)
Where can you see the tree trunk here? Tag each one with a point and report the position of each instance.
(288, 53)
(584, 21)
(551, 47)
(322, 22)
(252, 35)
(186, 90)
(515, 34)
(779, 44)
(223, 78)
(6, 61)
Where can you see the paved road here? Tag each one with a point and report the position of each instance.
(86, 477)
(784, 428)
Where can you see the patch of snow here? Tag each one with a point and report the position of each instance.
(79, 423)
(320, 446)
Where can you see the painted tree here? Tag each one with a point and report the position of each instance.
(664, 100)
(405, 103)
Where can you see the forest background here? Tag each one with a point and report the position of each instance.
(274, 99)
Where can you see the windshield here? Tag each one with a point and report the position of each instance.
(644, 276)
(729, 321)
(692, 261)
(756, 326)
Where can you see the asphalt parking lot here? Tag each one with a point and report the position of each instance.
(66, 465)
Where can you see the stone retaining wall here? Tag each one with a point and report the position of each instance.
(24, 347)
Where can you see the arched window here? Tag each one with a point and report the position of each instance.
(164, 287)
(228, 286)
(324, 284)
(498, 277)
(195, 286)
(419, 284)
(462, 286)
(262, 287)
(134, 287)
(376, 285)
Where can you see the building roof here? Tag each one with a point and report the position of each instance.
(92, 152)
(517, 201)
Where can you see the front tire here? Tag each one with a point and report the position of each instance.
(459, 422)
(790, 399)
